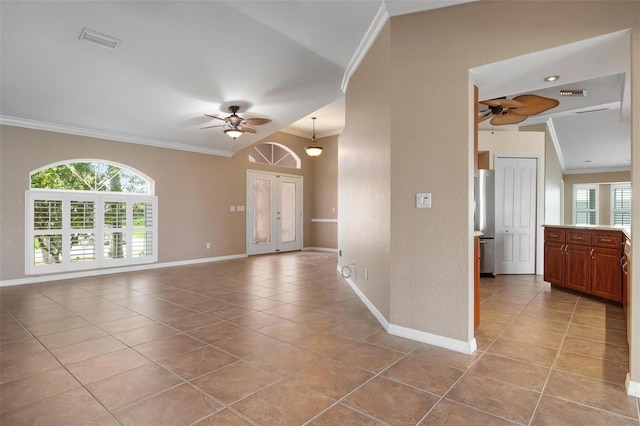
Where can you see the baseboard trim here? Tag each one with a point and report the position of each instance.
(326, 249)
(633, 388)
(97, 272)
(410, 333)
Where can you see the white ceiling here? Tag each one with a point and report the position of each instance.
(282, 60)
(176, 61)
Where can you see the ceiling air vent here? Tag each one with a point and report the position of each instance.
(99, 39)
(580, 92)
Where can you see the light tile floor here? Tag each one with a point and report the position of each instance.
(283, 340)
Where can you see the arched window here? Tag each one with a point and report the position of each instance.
(87, 214)
(275, 154)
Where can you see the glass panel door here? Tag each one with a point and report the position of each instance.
(274, 213)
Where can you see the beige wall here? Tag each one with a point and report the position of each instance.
(409, 103)
(324, 195)
(604, 192)
(206, 184)
(364, 175)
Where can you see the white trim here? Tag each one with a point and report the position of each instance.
(596, 170)
(325, 249)
(556, 144)
(324, 220)
(99, 134)
(376, 313)
(109, 271)
(409, 333)
(434, 339)
(369, 38)
(633, 388)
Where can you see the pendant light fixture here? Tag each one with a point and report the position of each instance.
(313, 150)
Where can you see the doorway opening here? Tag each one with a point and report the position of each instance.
(274, 212)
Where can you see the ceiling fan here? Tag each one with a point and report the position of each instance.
(513, 111)
(235, 126)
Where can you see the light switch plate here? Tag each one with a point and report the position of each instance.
(232, 208)
(240, 208)
(423, 200)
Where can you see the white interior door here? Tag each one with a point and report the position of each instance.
(516, 189)
(274, 212)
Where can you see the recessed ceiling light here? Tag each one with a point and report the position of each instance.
(552, 78)
(588, 161)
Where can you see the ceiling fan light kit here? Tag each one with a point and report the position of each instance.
(234, 133)
(313, 150)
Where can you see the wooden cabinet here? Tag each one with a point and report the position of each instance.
(588, 261)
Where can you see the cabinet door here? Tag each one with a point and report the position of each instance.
(606, 274)
(578, 262)
(554, 263)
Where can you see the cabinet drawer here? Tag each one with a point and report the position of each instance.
(579, 236)
(607, 239)
(554, 234)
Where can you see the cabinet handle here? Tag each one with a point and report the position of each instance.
(554, 235)
(577, 238)
(606, 240)
(564, 249)
(592, 250)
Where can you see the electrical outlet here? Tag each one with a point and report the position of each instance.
(232, 209)
(240, 208)
(208, 246)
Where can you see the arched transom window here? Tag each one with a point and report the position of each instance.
(275, 154)
(87, 214)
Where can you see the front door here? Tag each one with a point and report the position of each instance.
(274, 212)
(516, 189)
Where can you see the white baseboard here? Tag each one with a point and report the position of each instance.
(97, 272)
(410, 333)
(633, 388)
(329, 250)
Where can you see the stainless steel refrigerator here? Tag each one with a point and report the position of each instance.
(485, 206)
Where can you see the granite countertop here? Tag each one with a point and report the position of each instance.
(624, 229)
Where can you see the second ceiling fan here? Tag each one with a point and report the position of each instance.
(513, 111)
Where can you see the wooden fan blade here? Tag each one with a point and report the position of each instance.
(249, 129)
(213, 116)
(217, 125)
(507, 118)
(484, 117)
(256, 121)
(534, 104)
(503, 102)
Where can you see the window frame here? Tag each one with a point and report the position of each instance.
(99, 229)
(576, 188)
(613, 210)
(270, 161)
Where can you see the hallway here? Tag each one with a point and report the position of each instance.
(282, 339)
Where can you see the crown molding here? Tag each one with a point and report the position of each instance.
(99, 134)
(369, 38)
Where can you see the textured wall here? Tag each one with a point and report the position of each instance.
(324, 195)
(364, 175)
(425, 101)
